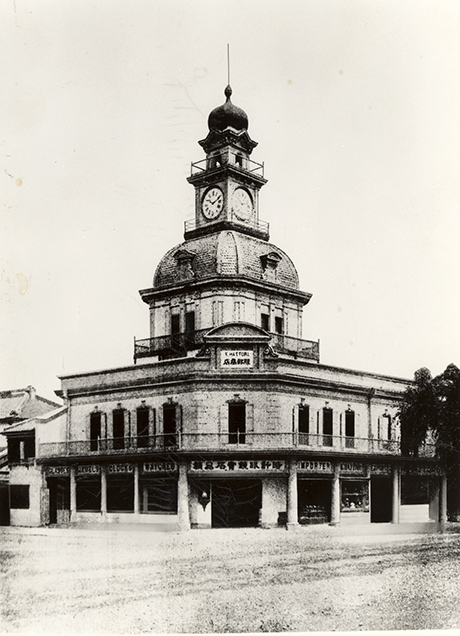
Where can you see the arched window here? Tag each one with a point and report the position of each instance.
(170, 428)
(118, 428)
(349, 428)
(304, 424)
(95, 431)
(327, 426)
(142, 426)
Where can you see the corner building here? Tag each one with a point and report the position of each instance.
(227, 417)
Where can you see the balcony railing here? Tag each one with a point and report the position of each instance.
(176, 345)
(236, 161)
(255, 224)
(200, 442)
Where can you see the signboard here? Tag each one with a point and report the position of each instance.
(120, 468)
(421, 470)
(88, 469)
(238, 466)
(237, 359)
(57, 470)
(380, 469)
(159, 467)
(352, 468)
(314, 467)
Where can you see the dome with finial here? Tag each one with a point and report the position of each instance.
(228, 115)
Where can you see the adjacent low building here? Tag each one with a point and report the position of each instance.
(227, 417)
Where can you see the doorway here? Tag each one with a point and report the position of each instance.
(381, 499)
(59, 489)
(236, 503)
(314, 497)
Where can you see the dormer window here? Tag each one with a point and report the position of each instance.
(184, 260)
(270, 264)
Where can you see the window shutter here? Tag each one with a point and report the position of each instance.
(223, 425)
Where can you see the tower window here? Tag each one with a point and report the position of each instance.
(175, 323)
(386, 426)
(237, 423)
(327, 427)
(265, 322)
(95, 431)
(349, 429)
(189, 322)
(278, 324)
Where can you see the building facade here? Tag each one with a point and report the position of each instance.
(227, 417)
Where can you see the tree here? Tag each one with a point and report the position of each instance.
(432, 406)
(418, 412)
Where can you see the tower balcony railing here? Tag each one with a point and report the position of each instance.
(177, 344)
(255, 224)
(243, 440)
(231, 159)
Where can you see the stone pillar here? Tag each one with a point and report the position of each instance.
(183, 511)
(136, 489)
(292, 498)
(396, 495)
(103, 491)
(443, 501)
(335, 497)
(73, 493)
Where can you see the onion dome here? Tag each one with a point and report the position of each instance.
(228, 115)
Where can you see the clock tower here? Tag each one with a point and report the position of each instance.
(227, 181)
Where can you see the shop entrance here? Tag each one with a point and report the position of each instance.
(236, 503)
(59, 489)
(381, 499)
(314, 496)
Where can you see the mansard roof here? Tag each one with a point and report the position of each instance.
(225, 253)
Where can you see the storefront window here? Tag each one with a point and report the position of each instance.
(355, 496)
(415, 489)
(120, 493)
(159, 495)
(89, 494)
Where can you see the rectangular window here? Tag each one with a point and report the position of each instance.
(120, 493)
(349, 429)
(386, 427)
(118, 429)
(279, 327)
(142, 421)
(88, 494)
(265, 322)
(19, 496)
(327, 427)
(169, 425)
(14, 453)
(304, 424)
(237, 423)
(217, 312)
(21, 450)
(95, 431)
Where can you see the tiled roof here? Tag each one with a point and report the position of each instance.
(23, 404)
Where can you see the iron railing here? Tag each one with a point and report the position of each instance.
(256, 224)
(235, 160)
(175, 345)
(225, 441)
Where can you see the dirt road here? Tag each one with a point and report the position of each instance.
(136, 581)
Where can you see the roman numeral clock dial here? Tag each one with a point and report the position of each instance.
(213, 203)
(242, 206)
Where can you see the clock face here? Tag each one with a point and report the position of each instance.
(242, 205)
(213, 203)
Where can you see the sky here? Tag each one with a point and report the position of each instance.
(356, 109)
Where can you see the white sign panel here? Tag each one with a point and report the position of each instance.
(237, 359)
